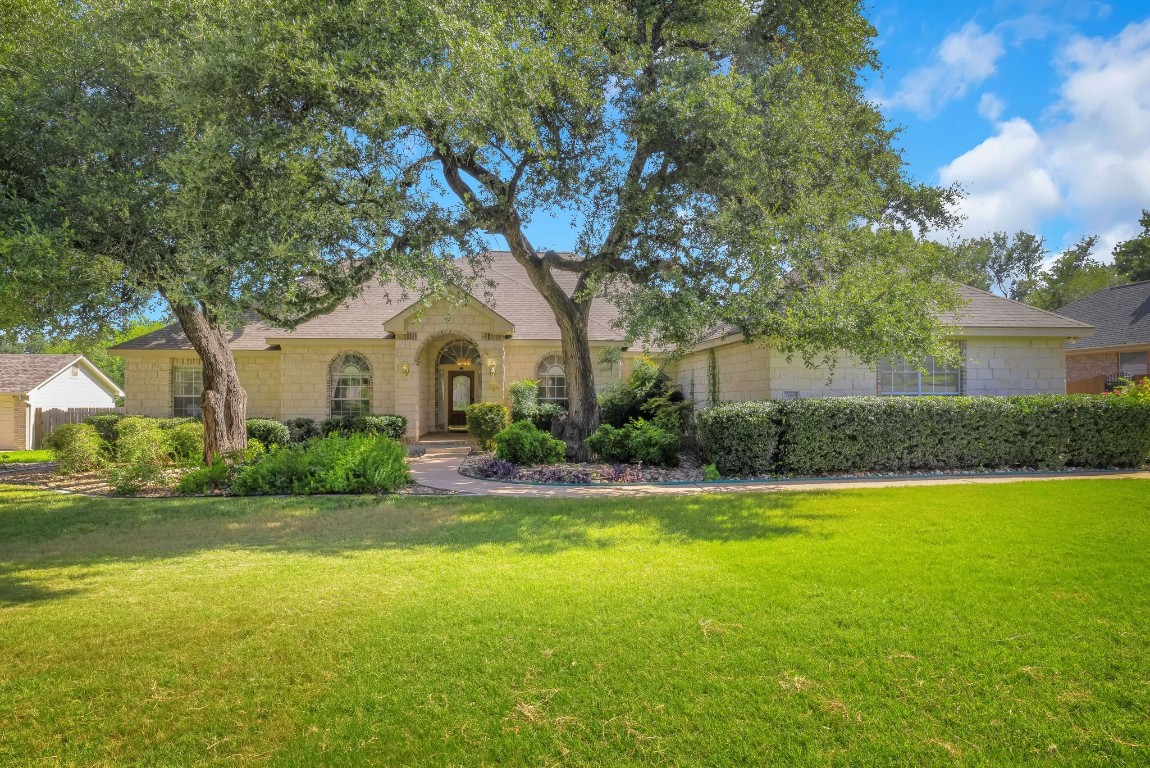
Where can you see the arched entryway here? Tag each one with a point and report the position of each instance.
(457, 374)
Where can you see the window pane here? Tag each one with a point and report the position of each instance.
(350, 386)
(460, 393)
(1133, 363)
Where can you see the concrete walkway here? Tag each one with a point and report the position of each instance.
(441, 470)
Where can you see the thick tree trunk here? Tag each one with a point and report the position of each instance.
(572, 316)
(224, 401)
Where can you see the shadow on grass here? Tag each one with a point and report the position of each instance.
(39, 529)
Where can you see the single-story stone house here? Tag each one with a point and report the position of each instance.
(380, 354)
(30, 383)
(1120, 345)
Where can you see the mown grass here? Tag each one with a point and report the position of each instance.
(957, 625)
(23, 457)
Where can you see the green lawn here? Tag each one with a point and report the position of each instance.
(968, 625)
(22, 457)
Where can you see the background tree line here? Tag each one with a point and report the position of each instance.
(1013, 266)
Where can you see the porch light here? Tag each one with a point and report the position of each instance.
(405, 369)
(491, 367)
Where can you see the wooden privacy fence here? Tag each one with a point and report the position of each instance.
(48, 420)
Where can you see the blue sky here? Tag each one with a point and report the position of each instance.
(1040, 109)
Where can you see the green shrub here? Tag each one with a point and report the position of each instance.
(268, 432)
(301, 430)
(524, 395)
(651, 444)
(387, 425)
(640, 441)
(485, 420)
(546, 414)
(711, 473)
(740, 439)
(610, 444)
(357, 463)
(105, 424)
(78, 448)
(524, 443)
(645, 393)
(894, 434)
(142, 453)
(204, 479)
(186, 442)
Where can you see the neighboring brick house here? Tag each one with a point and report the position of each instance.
(29, 383)
(1120, 345)
(378, 354)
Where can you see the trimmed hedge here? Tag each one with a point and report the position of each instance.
(740, 439)
(896, 434)
(387, 425)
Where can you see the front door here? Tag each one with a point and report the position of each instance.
(460, 393)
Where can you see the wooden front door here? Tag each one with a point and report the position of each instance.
(460, 394)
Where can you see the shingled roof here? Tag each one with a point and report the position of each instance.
(20, 374)
(512, 296)
(1120, 316)
(988, 310)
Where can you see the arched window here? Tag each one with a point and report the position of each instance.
(462, 353)
(552, 380)
(350, 386)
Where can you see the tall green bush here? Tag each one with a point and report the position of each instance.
(524, 396)
(78, 448)
(485, 421)
(142, 453)
(105, 424)
(186, 442)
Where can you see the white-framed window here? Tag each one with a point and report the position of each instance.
(897, 376)
(552, 380)
(350, 386)
(1133, 363)
(187, 386)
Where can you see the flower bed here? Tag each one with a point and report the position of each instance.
(485, 466)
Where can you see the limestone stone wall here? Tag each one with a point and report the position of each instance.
(148, 381)
(1015, 366)
(744, 373)
(305, 375)
(848, 377)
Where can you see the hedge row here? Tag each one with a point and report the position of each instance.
(915, 433)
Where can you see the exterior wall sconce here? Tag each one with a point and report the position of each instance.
(491, 367)
(405, 369)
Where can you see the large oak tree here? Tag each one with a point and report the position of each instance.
(717, 160)
(198, 152)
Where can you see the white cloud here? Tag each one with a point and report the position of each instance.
(991, 107)
(1006, 185)
(1090, 160)
(963, 60)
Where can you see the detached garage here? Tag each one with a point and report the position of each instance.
(30, 384)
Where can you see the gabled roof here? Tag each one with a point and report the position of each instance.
(1120, 316)
(20, 374)
(510, 295)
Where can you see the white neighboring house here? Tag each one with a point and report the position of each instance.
(31, 382)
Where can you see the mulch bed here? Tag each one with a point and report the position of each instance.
(478, 465)
(688, 471)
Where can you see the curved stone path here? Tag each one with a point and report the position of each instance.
(440, 469)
